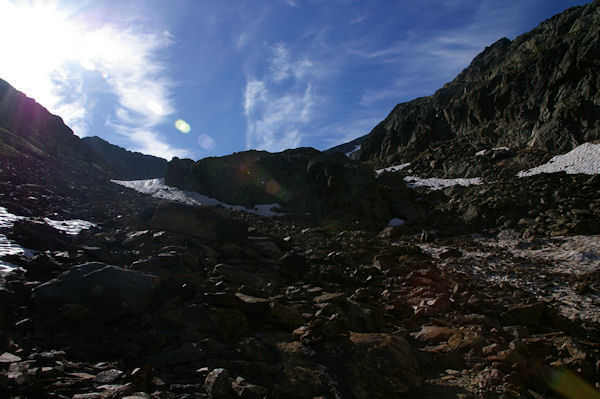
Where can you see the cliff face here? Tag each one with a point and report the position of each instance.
(303, 181)
(540, 91)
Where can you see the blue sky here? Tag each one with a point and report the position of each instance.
(238, 74)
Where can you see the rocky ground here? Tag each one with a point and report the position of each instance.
(163, 300)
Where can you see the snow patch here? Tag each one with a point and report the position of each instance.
(356, 148)
(483, 152)
(71, 227)
(394, 168)
(9, 247)
(434, 183)
(396, 222)
(7, 219)
(584, 159)
(158, 189)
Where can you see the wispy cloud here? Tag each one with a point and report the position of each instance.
(65, 66)
(279, 105)
(283, 67)
(425, 58)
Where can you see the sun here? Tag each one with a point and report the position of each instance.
(38, 39)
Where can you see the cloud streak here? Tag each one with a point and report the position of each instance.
(68, 67)
(426, 58)
(280, 105)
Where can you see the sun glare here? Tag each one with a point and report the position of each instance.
(42, 41)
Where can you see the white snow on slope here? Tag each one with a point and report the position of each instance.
(158, 189)
(394, 168)
(9, 247)
(7, 219)
(435, 183)
(483, 152)
(71, 227)
(356, 148)
(584, 159)
(432, 183)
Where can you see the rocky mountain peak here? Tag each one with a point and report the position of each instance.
(539, 92)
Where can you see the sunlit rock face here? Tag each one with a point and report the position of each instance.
(302, 180)
(539, 92)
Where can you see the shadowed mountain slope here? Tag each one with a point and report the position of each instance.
(28, 129)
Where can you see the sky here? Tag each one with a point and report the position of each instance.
(200, 78)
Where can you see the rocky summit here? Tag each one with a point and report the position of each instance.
(395, 282)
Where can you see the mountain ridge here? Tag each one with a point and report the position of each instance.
(26, 127)
(539, 92)
(481, 291)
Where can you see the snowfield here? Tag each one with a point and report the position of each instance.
(158, 189)
(584, 159)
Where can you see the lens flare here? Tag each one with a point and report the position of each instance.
(182, 126)
(273, 187)
(571, 385)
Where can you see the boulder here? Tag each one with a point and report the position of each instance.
(381, 366)
(197, 222)
(108, 291)
(218, 383)
(36, 234)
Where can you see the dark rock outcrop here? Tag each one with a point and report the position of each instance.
(540, 91)
(303, 180)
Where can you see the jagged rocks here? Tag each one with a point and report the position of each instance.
(95, 289)
(539, 91)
